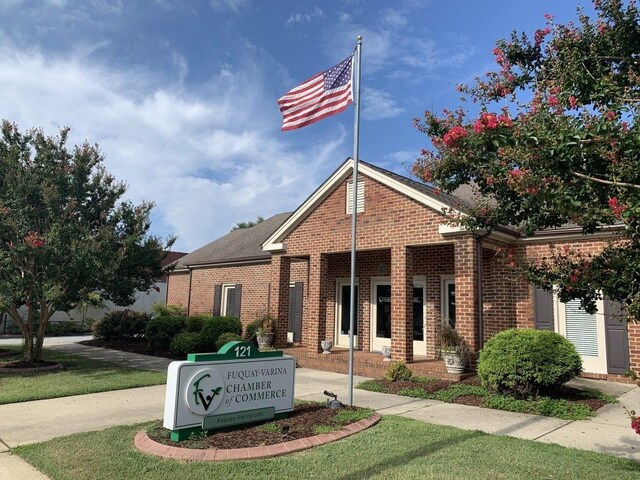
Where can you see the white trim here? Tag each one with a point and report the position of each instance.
(420, 347)
(444, 304)
(223, 301)
(375, 343)
(590, 364)
(343, 340)
(239, 263)
(274, 242)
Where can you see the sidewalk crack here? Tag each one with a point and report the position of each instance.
(554, 430)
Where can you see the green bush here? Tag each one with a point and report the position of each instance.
(216, 326)
(251, 329)
(398, 371)
(185, 343)
(527, 363)
(160, 331)
(66, 328)
(196, 322)
(121, 325)
(226, 338)
(160, 310)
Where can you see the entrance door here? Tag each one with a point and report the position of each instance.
(586, 331)
(380, 313)
(294, 333)
(419, 343)
(343, 310)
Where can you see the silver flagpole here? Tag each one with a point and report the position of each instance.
(354, 214)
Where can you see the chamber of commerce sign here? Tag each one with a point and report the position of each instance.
(238, 384)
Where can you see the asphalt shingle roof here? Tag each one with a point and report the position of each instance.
(238, 245)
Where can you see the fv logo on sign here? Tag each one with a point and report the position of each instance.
(205, 392)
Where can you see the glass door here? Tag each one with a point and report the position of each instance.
(380, 314)
(419, 343)
(343, 312)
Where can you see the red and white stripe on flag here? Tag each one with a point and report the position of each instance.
(325, 94)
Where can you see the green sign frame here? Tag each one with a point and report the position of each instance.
(234, 351)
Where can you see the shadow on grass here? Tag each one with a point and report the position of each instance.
(405, 457)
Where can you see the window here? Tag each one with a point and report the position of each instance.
(360, 197)
(448, 305)
(230, 300)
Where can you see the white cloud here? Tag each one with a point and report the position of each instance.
(208, 158)
(235, 6)
(378, 104)
(305, 17)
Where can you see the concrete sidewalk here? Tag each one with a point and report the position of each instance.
(609, 432)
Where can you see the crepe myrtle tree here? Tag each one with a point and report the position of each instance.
(555, 141)
(66, 233)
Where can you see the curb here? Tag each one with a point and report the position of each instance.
(151, 447)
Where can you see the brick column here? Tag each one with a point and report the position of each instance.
(466, 290)
(314, 329)
(280, 269)
(402, 303)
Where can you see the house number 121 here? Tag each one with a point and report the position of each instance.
(242, 351)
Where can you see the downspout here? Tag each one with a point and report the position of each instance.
(189, 294)
(479, 293)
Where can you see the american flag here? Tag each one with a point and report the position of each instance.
(323, 95)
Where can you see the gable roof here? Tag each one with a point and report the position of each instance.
(240, 245)
(417, 191)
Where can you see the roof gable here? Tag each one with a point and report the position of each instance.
(421, 193)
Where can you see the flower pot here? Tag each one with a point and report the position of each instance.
(454, 362)
(264, 340)
(326, 345)
(386, 353)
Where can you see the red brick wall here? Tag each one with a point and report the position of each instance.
(178, 289)
(253, 278)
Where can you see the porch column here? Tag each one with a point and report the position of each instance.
(466, 269)
(402, 303)
(314, 323)
(280, 270)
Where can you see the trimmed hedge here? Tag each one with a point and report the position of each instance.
(185, 343)
(216, 326)
(526, 363)
(226, 338)
(121, 325)
(196, 322)
(160, 331)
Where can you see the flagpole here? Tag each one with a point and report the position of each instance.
(354, 214)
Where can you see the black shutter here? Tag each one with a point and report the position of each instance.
(615, 325)
(297, 313)
(217, 299)
(238, 300)
(543, 309)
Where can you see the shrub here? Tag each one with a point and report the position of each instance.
(121, 325)
(160, 310)
(185, 343)
(196, 322)
(160, 331)
(528, 362)
(398, 371)
(251, 329)
(66, 328)
(216, 326)
(226, 338)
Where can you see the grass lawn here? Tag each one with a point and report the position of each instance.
(419, 387)
(80, 375)
(396, 448)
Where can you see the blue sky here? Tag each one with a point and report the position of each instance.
(181, 95)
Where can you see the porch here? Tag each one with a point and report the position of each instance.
(367, 364)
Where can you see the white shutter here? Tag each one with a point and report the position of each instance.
(582, 329)
(360, 197)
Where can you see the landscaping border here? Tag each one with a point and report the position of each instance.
(55, 366)
(151, 447)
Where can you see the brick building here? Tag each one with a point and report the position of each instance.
(413, 272)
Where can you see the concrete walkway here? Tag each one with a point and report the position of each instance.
(609, 432)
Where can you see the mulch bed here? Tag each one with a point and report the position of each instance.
(429, 387)
(132, 346)
(299, 424)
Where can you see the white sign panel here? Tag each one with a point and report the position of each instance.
(200, 389)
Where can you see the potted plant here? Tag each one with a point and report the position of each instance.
(265, 333)
(453, 349)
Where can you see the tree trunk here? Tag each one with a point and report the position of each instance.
(27, 334)
(44, 320)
